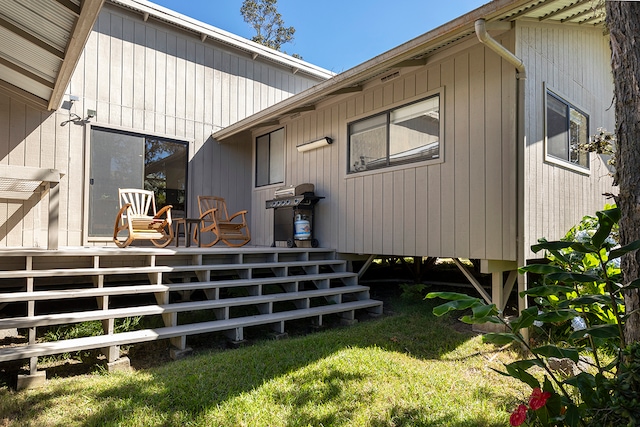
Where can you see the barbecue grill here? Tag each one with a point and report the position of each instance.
(293, 216)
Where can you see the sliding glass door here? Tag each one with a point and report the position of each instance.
(127, 160)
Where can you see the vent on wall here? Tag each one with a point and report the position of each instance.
(390, 76)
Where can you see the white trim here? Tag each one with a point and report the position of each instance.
(205, 31)
(85, 185)
(140, 131)
(403, 166)
(567, 165)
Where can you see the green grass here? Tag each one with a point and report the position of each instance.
(407, 369)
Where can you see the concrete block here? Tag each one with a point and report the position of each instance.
(236, 344)
(278, 335)
(121, 364)
(8, 333)
(32, 380)
(177, 354)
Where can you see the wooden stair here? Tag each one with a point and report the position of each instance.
(193, 290)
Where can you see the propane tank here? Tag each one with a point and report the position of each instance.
(302, 228)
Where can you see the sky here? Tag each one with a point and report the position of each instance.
(336, 34)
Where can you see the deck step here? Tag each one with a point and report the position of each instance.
(145, 289)
(66, 272)
(148, 310)
(86, 343)
(280, 284)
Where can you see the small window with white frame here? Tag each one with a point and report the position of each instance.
(407, 134)
(270, 158)
(567, 127)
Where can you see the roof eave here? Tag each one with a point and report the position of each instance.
(77, 40)
(208, 31)
(450, 31)
(406, 51)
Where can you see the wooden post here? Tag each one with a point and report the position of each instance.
(53, 230)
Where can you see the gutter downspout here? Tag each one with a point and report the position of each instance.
(491, 43)
(487, 40)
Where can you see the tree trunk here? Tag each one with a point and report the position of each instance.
(623, 21)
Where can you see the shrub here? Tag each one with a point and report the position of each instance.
(581, 291)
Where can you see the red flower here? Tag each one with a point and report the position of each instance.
(538, 398)
(518, 416)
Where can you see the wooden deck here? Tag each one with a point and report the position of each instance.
(187, 291)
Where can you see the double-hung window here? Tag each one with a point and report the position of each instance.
(407, 134)
(270, 158)
(566, 128)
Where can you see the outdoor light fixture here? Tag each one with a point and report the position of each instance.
(322, 142)
(76, 119)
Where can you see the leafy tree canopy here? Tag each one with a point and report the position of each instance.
(263, 16)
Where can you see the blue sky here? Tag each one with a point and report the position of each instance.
(336, 34)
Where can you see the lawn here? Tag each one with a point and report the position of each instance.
(406, 368)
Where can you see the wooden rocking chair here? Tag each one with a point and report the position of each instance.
(214, 218)
(139, 218)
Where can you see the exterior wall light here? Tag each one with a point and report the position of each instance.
(322, 142)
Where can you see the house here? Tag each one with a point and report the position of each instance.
(97, 95)
(459, 143)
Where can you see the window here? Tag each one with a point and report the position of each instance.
(127, 160)
(567, 128)
(407, 134)
(270, 158)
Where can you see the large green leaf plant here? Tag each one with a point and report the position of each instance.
(579, 295)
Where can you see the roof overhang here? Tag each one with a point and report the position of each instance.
(40, 45)
(208, 32)
(499, 14)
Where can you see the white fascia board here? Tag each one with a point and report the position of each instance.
(77, 41)
(146, 7)
(451, 31)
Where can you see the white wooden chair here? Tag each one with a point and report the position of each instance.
(138, 217)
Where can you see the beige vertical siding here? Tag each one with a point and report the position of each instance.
(142, 77)
(574, 61)
(464, 206)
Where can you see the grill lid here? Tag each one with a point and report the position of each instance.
(293, 190)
